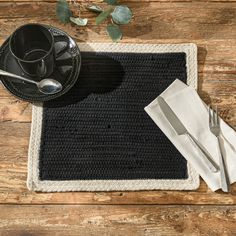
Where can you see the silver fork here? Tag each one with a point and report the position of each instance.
(214, 123)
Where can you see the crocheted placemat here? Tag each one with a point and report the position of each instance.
(97, 137)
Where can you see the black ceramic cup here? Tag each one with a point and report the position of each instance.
(32, 46)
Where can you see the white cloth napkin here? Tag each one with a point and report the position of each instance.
(193, 113)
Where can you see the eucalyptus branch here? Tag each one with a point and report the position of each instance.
(118, 14)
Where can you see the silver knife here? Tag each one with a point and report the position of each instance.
(181, 130)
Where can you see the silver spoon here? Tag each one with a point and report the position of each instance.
(46, 86)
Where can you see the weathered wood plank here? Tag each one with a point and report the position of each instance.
(13, 175)
(14, 110)
(122, 2)
(117, 220)
(211, 25)
(151, 20)
(16, 193)
(217, 76)
(215, 56)
(219, 92)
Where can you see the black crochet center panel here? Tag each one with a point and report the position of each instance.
(99, 129)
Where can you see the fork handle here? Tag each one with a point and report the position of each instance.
(207, 158)
(224, 178)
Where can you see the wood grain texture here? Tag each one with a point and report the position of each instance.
(13, 174)
(151, 20)
(99, 2)
(212, 26)
(212, 29)
(117, 220)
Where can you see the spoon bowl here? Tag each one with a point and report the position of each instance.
(46, 86)
(49, 86)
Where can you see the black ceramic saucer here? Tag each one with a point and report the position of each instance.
(66, 70)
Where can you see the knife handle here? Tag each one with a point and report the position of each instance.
(208, 159)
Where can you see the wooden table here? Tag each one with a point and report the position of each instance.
(209, 24)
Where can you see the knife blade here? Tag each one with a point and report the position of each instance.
(180, 129)
(171, 117)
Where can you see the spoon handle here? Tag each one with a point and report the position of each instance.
(5, 73)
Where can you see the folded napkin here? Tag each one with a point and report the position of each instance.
(193, 113)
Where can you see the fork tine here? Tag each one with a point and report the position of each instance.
(209, 113)
(217, 116)
(214, 116)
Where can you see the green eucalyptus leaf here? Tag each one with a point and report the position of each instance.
(94, 8)
(63, 11)
(103, 16)
(121, 15)
(79, 21)
(110, 2)
(114, 32)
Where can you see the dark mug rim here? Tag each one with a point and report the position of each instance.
(37, 60)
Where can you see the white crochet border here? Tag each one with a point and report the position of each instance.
(35, 184)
